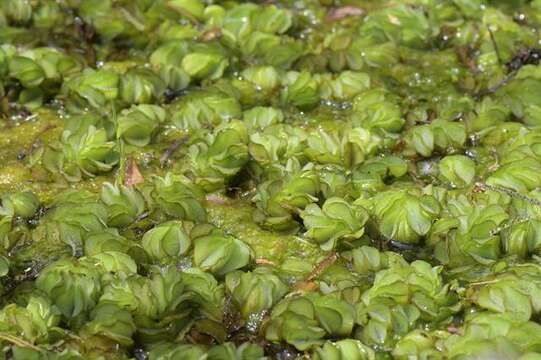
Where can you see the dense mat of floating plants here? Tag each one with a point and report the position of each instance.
(221, 180)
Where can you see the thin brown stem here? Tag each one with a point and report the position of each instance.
(171, 150)
(493, 89)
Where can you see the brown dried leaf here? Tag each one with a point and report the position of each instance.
(344, 11)
(262, 261)
(211, 34)
(133, 176)
(216, 199)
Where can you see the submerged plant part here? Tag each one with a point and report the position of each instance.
(249, 180)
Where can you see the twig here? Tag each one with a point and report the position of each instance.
(44, 130)
(171, 150)
(38, 136)
(132, 20)
(493, 89)
(322, 266)
(509, 192)
(262, 261)
(19, 342)
(183, 12)
(308, 284)
(402, 246)
(36, 143)
(495, 45)
(485, 282)
(463, 53)
(516, 221)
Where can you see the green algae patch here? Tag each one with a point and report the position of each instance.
(236, 217)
